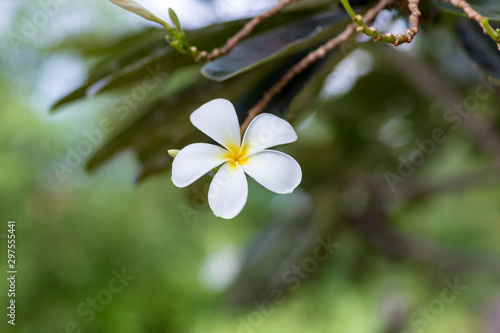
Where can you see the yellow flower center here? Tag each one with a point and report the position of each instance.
(236, 156)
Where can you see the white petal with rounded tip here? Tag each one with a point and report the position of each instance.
(228, 191)
(268, 130)
(194, 161)
(218, 120)
(274, 170)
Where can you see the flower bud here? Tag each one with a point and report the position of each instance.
(135, 8)
(173, 152)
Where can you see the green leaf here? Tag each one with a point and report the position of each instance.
(174, 19)
(127, 51)
(299, 92)
(165, 125)
(126, 61)
(122, 59)
(305, 99)
(480, 48)
(276, 44)
(167, 121)
(487, 8)
(123, 53)
(156, 64)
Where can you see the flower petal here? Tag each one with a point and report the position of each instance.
(274, 170)
(194, 161)
(228, 191)
(267, 130)
(218, 120)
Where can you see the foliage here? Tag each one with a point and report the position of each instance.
(399, 237)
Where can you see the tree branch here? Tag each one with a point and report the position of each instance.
(312, 57)
(243, 33)
(377, 36)
(476, 16)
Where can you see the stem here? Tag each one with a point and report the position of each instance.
(376, 35)
(312, 57)
(167, 26)
(178, 40)
(348, 8)
(493, 34)
(243, 33)
(476, 16)
(372, 32)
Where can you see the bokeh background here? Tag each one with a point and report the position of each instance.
(192, 272)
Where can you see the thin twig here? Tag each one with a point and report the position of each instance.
(312, 57)
(243, 33)
(471, 13)
(377, 36)
(414, 16)
(476, 16)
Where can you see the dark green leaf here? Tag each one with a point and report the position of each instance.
(276, 44)
(304, 100)
(175, 19)
(124, 53)
(480, 48)
(300, 92)
(131, 52)
(168, 121)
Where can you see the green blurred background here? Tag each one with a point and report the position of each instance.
(74, 233)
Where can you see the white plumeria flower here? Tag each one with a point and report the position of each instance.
(228, 191)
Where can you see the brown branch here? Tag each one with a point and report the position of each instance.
(471, 13)
(243, 33)
(413, 30)
(399, 39)
(312, 57)
(476, 16)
